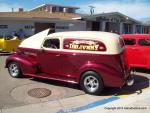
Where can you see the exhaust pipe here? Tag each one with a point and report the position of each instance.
(130, 80)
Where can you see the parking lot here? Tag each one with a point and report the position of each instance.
(57, 96)
(14, 91)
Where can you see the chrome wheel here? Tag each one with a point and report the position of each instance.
(91, 83)
(13, 69)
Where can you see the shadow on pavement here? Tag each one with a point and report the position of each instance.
(57, 83)
(142, 70)
(141, 82)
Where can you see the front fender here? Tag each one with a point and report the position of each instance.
(27, 67)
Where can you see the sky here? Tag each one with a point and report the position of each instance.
(137, 9)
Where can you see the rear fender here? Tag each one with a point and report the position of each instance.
(108, 74)
(1, 44)
(92, 67)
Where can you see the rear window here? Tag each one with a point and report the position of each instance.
(83, 44)
(129, 41)
(144, 42)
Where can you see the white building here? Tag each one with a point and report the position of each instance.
(65, 18)
(41, 18)
(113, 22)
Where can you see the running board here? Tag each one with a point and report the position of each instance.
(53, 77)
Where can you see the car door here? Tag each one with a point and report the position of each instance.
(136, 49)
(144, 51)
(49, 56)
(130, 51)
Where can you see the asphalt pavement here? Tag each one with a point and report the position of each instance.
(19, 94)
(14, 91)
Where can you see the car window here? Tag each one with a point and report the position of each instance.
(144, 42)
(129, 41)
(52, 43)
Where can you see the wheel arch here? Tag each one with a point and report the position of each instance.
(9, 61)
(97, 72)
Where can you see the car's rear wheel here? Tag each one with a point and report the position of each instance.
(91, 83)
(14, 70)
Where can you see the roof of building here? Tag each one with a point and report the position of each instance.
(147, 23)
(39, 15)
(127, 18)
(54, 5)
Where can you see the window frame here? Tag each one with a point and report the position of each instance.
(129, 39)
(46, 48)
(143, 45)
(61, 9)
(3, 26)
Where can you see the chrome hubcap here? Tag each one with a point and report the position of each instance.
(13, 69)
(91, 83)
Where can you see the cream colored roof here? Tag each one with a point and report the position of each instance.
(39, 14)
(34, 41)
(111, 40)
(85, 34)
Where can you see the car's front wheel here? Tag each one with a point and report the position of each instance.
(91, 83)
(14, 70)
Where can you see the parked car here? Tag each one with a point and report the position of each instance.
(137, 50)
(91, 59)
(9, 44)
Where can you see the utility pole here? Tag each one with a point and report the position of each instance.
(12, 10)
(92, 9)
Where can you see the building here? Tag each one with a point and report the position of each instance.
(39, 19)
(64, 18)
(146, 25)
(113, 22)
(55, 8)
(146, 28)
